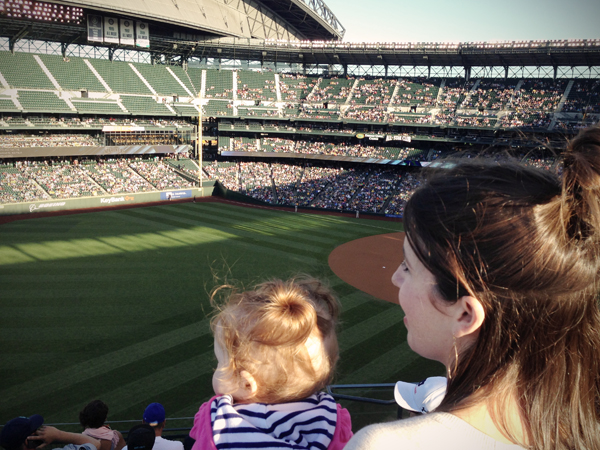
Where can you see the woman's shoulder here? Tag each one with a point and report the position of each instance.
(435, 430)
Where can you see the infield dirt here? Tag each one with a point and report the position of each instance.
(369, 263)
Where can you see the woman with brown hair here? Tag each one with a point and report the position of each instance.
(500, 284)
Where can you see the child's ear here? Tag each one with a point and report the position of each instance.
(247, 387)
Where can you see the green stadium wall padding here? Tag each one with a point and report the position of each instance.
(99, 202)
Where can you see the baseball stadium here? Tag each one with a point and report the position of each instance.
(151, 152)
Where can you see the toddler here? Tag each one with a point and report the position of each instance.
(276, 348)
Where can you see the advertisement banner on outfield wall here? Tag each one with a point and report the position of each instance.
(111, 30)
(126, 30)
(174, 195)
(105, 201)
(94, 202)
(94, 28)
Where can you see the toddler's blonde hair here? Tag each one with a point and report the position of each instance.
(284, 334)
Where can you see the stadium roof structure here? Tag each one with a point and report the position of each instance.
(196, 19)
(281, 31)
(583, 52)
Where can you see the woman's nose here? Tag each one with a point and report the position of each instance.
(397, 277)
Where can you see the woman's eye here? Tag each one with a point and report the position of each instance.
(403, 266)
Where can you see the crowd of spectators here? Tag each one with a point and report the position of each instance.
(16, 187)
(373, 92)
(416, 91)
(47, 140)
(402, 117)
(584, 97)
(227, 173)
(294, 87)
(256, 180)
(539, 161)
(366, 114)
(319, 111)
(481, 120)
(61, 180)
(522, 119)
(339, 193)
(141, 139)
(407, 184)
(314, 181)
(490, 95)
(375, 192)
(369, 189)
(26, 180)
(538, 95)
(454, 93)
(285, 178)
(244, 92)
(331, 89)
(159, 174)
(92, 121)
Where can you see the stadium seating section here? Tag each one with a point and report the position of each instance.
(389, 120)
(114, 88)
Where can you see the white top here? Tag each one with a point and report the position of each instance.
(429, 432)
(164, 444)
(161, 443)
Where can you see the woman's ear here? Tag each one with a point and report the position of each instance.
(469, 316)
(246, 389)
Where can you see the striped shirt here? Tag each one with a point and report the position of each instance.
(307, 424)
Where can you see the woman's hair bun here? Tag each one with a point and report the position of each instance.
(581, 186)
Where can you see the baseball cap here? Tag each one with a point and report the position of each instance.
(154, 414)
(422, 397)
(141, 437)
(15, 432)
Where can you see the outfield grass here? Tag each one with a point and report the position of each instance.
(114, 305)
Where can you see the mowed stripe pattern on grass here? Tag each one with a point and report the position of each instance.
(115, 305)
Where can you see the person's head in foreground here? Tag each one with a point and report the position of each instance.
(500, 284)
(276, 343)
(155, 416)
(14, 434)
(141, 437)
(94, 414)
(24, 433)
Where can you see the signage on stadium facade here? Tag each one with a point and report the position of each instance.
(126, 32)
(404, 138)
(121, 128)
(35, 207)
(126, 198)
(111, 30)
(174, 195)
(117, 31)
(142, 35)
(94, 28)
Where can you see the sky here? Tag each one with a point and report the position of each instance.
(466, 20)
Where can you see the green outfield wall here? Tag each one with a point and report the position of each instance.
(105, 201)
